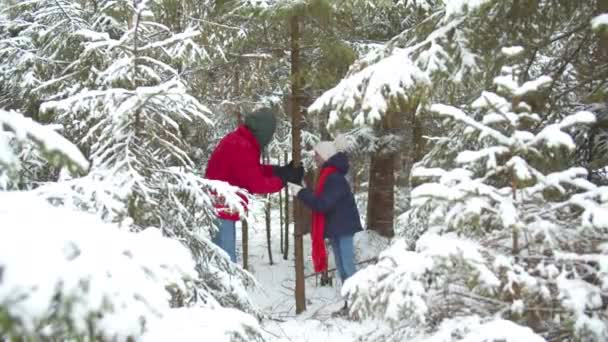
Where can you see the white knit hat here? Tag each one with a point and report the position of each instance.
(326, 149)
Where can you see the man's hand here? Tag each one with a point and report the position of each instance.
(289, 172)
(295, 174)
(282, 171)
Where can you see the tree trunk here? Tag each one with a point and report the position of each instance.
(407, 155)
(245, 243)
(268, 223)
(281, 219)
(244, 224)
(287, 219)
(381, 191)
(302, 213)
(296, 122)
(381, 194)
(237, 90)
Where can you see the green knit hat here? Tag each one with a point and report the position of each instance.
(262, 124)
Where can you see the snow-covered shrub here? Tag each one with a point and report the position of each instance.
(525, 227)
(401, 286)
(476, 329)
(66, 274)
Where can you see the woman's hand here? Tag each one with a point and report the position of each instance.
(294, 188)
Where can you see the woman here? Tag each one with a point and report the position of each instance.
(335, 213)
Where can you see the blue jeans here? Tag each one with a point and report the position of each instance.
(343, 248)
(225, 237)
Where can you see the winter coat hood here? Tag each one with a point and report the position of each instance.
(339, 161)
(262, 124)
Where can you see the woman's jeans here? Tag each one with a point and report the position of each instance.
(225, 237)
(344, 254)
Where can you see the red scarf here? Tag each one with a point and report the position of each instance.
(319, 254)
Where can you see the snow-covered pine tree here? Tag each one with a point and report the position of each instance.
(558, 41)
(36, 45)
(430, 52)
(131, 103)
(119, 91)
(96, 274)
(514, 230)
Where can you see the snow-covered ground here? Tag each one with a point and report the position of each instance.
(276, 293)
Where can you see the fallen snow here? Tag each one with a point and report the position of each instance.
(276, 295)
(194, 324)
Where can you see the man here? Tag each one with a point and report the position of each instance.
(236, 160)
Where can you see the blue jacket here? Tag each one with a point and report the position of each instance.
(336, 201)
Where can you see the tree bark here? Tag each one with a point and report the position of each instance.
(296, 122)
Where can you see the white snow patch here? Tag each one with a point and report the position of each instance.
(512, 51)
(599, 21)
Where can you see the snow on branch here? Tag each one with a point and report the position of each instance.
(368, 94)
(386, 78)
(461, 116)
(49, 141)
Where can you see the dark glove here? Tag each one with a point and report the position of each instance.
(281, 172)
(295, 174)
(289, 173)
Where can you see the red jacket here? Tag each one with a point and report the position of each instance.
(236, 160)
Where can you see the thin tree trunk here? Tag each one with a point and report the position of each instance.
(281, 219)
(268, 223)
(355, 181)
(287, 219)
(136, 20)
(296, 121)
(244, 224)
(236, 81)
(245, 242)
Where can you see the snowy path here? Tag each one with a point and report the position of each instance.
(276, 297)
